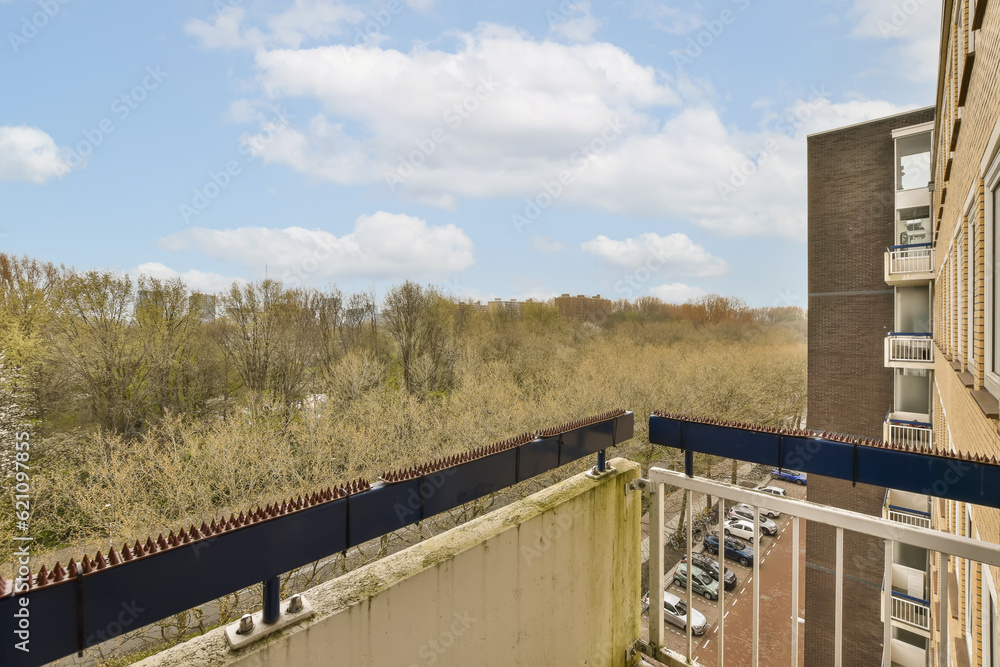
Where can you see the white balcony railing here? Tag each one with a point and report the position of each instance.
(910, 434)
(909, 348)
(912, 611)
(709, 649)
(900, 515)
(911, 259)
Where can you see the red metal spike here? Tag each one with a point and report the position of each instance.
(214, 528)
(126, 554)
(137, 550)
(183, 537)
(58, 573)
(150, 546)
(113, 558)
(71, 569)
(99, 562)
(41, 578)
(86, 565)
(194, 533)
(162, 543)
(206, 531)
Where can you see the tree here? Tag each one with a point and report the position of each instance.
(407, 321)
(99, 347)
(250, 328)
(165, 327)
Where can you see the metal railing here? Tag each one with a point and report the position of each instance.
(909, 517)
(913, 258)
(911, 610)
(910, 347)
(903, 608)
(82, 602)
(918, 435)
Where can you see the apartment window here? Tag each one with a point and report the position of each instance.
(990, 641)
(913, 161)
(959, 294)
(973, 257)
(992, 280)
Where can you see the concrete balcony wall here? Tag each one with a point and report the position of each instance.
(553, 579)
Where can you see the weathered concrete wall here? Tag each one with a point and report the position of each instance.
(551, 580)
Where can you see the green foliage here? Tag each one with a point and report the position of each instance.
(151, 418)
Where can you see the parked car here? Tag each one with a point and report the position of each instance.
(735, 549)
(701, 582)
(711, 566)
(744, 511)
(774, 491)
(741, 528)
(789, 476)
(774, 514)
(675, 611)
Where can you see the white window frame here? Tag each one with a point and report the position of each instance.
(990, 602)
(960, 294)
(969, 220)
(991, 218)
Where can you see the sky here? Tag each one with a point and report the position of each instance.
(495, 149)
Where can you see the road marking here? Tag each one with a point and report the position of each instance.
(726, 614)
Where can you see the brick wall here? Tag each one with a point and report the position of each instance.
(851, 221)
(959, 209)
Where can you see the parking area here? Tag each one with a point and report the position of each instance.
(775, 554)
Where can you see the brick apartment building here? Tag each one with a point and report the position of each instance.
(904, 344)
(852, 220)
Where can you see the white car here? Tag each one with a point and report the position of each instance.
(744, 511)
(675, 612)
(740, 528)
(774, 491)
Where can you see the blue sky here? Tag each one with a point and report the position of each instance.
(497, 149)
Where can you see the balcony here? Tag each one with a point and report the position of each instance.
(909, 264)
(907, 654)
(913, 434)
(564, 563)
(909, 350)
(911, 611)
(911, 509)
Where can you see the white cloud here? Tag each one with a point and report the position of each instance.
(225, 32)
(675, 254)
(575, 23)
(29, 154)
(243, 111)
(912, 28)
(503, 115)
(304, 20)
(545, 245)
(663, 16)
(676, 292)
(196, 281)
(420, 5)
(382, 245)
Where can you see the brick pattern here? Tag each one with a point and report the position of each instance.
(961, 250)
(851, 221)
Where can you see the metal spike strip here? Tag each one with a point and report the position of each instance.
(837, 437)
(406, 474)
(193, 533)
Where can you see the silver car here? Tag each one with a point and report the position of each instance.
(744, 511)
(675, 612)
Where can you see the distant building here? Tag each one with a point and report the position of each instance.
(583, 308)
(202, 306)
